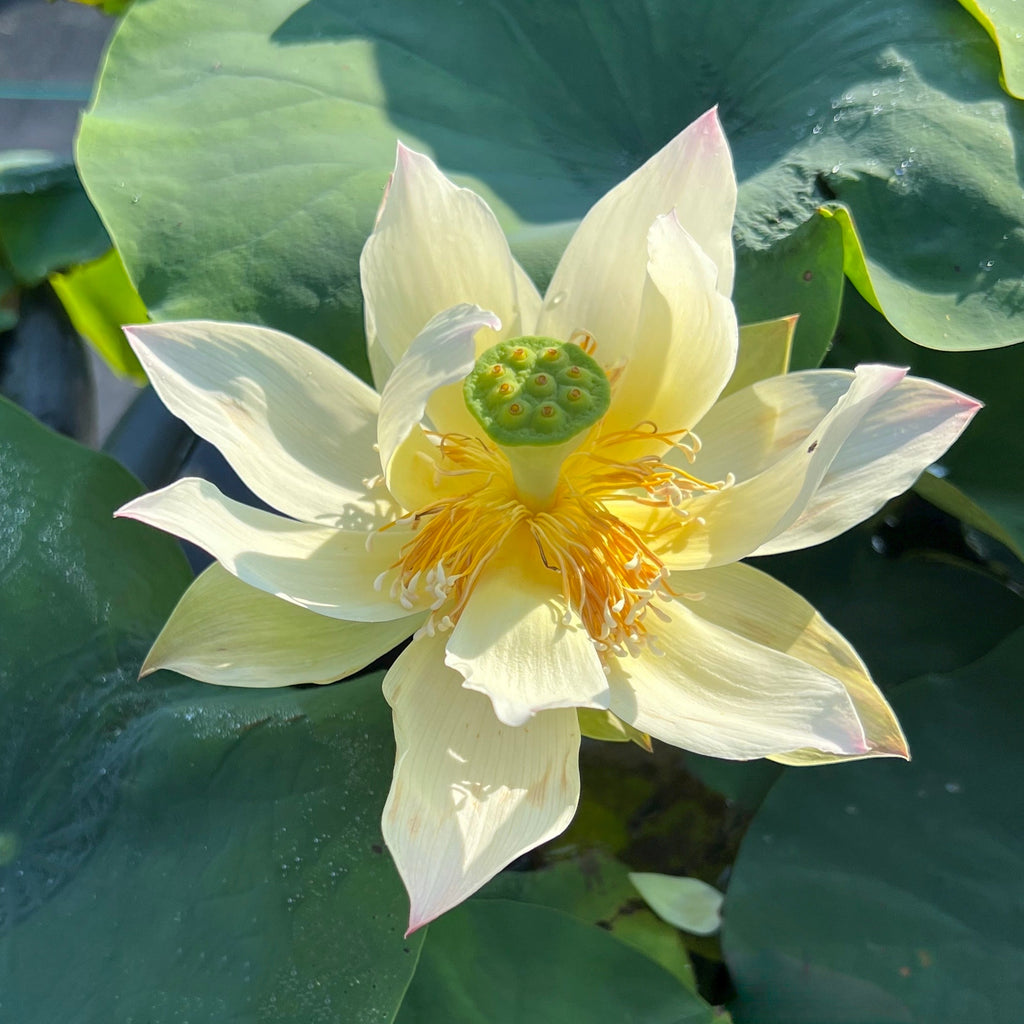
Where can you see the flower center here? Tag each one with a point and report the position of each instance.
(609, 572)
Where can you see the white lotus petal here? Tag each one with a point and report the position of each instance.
(687, 341)
(227, 632)
(908, 428)
(434, 246)
(715, 692)
(750, 430)
(512, 643)
(728, 524)
(419, 475)
(296, 427)
(529, 301)
(442, 354)
(470, 794)
(906, 431)
(329, 571)
(598, 284)
(753, 605)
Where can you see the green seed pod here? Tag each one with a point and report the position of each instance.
(536, 391)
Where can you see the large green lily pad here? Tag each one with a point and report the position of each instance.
(170, 850)
(885, 892)
(238, 152)
(79, 604)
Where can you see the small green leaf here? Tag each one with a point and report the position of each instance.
(112, 7)
(798, 275)
(685, 903)
(603, 725)
(100, 300)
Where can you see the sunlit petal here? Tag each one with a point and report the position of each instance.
(716, 692)
(296, 427)
(753, 605)
(515, 643)
(728, 524)
(417, 474)
(440, 355)
(599, 282)
(434, 246)
(686, 342)
(227, 632)
(329, 571)
(470, 794)
(909, 428)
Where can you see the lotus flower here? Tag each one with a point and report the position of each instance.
(548, 496)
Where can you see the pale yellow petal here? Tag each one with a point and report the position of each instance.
(529, 300)
(418, 476)
(755, 606)
(469, 794)
(434, 246)
(598, 284)
(227, 632)
(297, 428)
(725, 525)
(710, 690)
(687, 339)
(905, 430)
(515, 643)
(326, 570)
(909, 429)
(441, 355)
